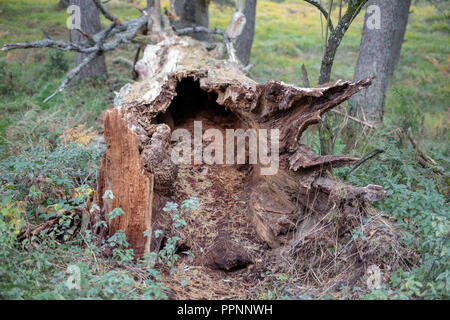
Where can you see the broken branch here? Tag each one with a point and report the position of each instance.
(47, 43)
(71, 75)
(120, 32)
(424, 159)
(364, 123)
(105, 11)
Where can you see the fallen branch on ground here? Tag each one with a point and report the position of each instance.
(424, 160)
(118, 32)
(364, 123)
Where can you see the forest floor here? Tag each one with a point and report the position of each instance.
(288, 34)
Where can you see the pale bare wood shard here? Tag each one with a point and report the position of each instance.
(177, 76)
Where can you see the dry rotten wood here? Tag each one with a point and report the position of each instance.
(178, 77)
(122, 171)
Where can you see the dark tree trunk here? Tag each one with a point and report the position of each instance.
(63, 3)
(245, 41)
(335, 38)
(90, 24)
(192, 13)
(378, 55)
(332, 44)
(401, 16)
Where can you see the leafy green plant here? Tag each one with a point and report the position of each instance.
(66, 166)
(167, 255)
(121, 252)
(415, 201)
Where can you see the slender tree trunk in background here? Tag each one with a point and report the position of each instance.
(401, 16)
(192, 13)
(244, 42)
(154, 8)
(332, 42)
(90, 24)
(378, 55)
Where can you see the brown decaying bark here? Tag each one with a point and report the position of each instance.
(134, 129)
(122, 171)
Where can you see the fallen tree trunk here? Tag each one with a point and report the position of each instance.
(180, 80)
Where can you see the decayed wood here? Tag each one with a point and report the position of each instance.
(277, 201)
(122, 171)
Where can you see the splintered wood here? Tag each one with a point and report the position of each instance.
(181, 80)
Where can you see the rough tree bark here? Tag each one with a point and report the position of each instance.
(192, 13)
(378, 55)
(63, 3)
(90, 25)
(244, 42)
(178, 75)
(401, 16)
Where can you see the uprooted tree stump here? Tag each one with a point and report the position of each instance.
(180, 81)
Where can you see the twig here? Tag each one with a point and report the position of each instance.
(120, 32)
(424, 159)
(142, 10)
(367, 124)
(364, 159)
(95, 258)
(122, 60)
(322, 10)
(71, 75)
(105, 11)
(85, 34)
(47, 43)
(247, 68)
(134, 74)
